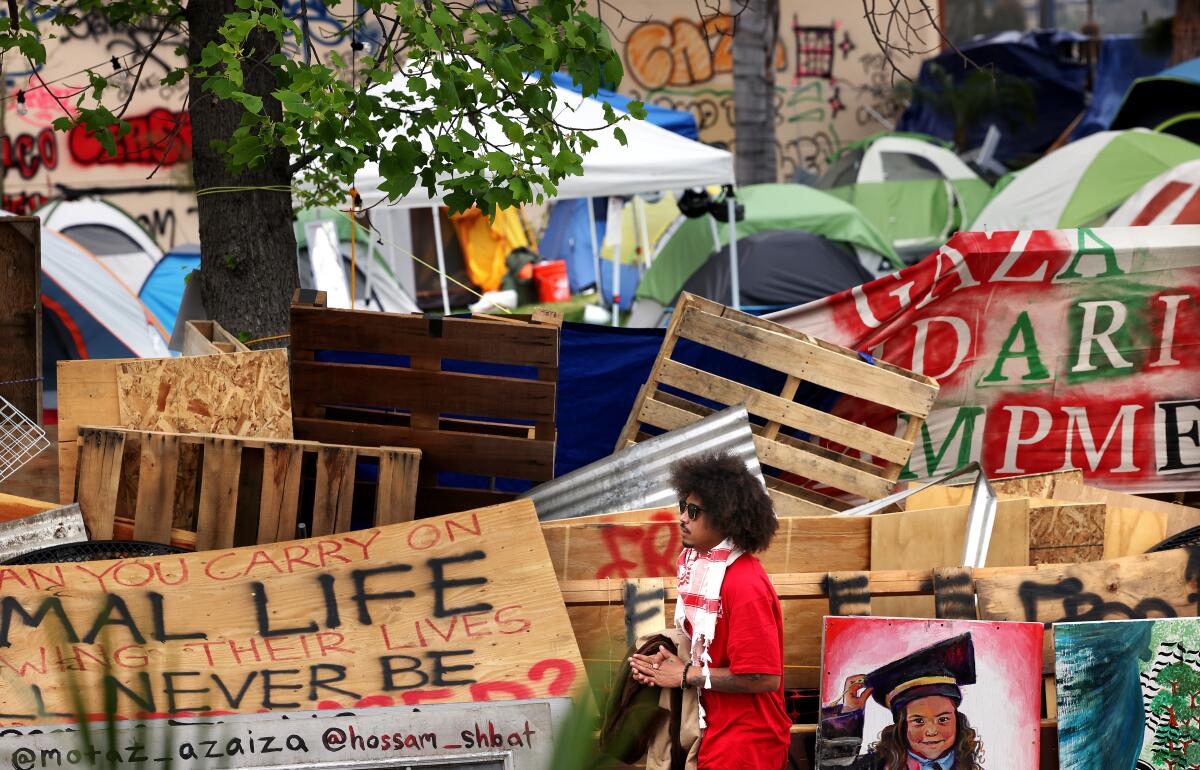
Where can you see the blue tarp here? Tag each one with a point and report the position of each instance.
(1058, 90)
(675, 121)
(566, 235)
(162, 291)
(1122, 61)
(1188, 70)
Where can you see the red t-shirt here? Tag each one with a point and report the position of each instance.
(746, 731)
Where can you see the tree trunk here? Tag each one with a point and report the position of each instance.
(1185, 31)
(247, 244)
(754, 36)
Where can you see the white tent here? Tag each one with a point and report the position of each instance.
(652, 160)
(109, 233)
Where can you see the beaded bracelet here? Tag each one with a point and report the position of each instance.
(683, 680)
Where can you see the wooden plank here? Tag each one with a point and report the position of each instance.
(812, 466)
(428, 391)
(87, 395)
(931, 538)
(21, 315)
(239, 394)
(1150, 585)
(471, 339)
(334, 490)
(849, 593)
(442, 450)
(809, 362)
(953, 594)
(645, 608)
(99, 479)
(280, 499)
(159, 470)
(217, 512)
(784, 411)
(436, 501)
(396, 496)
(641, 516)
(478, 585)
(13, 507)
(650, 549)
(1128, 531)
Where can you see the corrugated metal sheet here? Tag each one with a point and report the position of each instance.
(41, 530)
(637, 477)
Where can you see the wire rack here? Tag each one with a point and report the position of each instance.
(21, 439)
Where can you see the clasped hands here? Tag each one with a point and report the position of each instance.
(662, 669)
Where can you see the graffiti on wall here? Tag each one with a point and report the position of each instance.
(160, 137)
(828, 89)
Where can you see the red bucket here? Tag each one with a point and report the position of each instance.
(551, 281)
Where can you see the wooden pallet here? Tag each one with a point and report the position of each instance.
(803, 359)
(499, 427)
(21, 315)
(242, 491)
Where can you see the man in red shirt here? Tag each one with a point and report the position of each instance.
(729, 609)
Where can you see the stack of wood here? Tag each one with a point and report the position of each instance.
(1060, 551)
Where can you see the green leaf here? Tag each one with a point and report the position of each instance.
(250, 102)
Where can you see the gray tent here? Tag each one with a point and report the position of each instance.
(781, 268)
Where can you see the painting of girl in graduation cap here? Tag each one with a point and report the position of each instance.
(919, 698)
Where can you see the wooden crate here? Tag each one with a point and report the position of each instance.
(203, 338)
(499, 427)
(249, 491)
(804, 359)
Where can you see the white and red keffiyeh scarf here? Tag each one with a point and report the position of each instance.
(699, 600)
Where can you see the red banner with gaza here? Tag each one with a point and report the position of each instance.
(1054, 350)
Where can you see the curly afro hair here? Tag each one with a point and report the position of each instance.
(735, 502)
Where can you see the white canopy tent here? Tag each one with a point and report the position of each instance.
(652, 160)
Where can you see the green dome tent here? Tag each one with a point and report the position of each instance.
(768, 207)
(1082, 183)
(913, 188)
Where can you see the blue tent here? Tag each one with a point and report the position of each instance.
(1058, 89)
(566, 235)
(1122, 61)
(1166, 102)
(162, 291)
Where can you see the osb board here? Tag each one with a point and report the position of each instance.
(458, 608)
(1065, 532)
(651, 549)
(923, 539)
(1128, 531)
(1034, 485)
(87, 395)
(238, 394)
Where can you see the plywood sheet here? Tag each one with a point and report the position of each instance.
(239, 394)
(923, 539)
(21, 315)
(1033, 485)
(1179, 517)
(458, 608)
(651, 549)
(87, 395)
(1128, 531)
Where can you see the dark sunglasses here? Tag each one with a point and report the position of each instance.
(691, 509)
